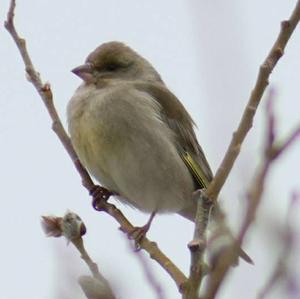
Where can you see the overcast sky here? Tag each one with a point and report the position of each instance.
(208, 53)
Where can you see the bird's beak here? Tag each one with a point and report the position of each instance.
(85, 72)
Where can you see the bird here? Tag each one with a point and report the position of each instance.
(134, 135)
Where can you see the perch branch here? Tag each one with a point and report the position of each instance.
(44, 90)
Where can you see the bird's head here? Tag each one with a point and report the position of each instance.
(115, 60)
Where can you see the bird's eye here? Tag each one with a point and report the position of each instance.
(112, 67)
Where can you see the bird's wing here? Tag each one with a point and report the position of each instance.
(181, 123)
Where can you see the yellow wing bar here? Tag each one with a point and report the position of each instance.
(195, 169)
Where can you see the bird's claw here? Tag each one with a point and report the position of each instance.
(100, 196)
(137, 234)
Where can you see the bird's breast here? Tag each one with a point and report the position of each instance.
(120, 137)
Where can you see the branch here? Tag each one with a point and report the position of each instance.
(198, 269)
(44, 90)
(287, 28)
(72, 228)
(93, 288)
(45, 93)
(256, 189)
(214, 188)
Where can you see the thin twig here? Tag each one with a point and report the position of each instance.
(73, 228)
(46, 95)
(78, 243)
(277, 151)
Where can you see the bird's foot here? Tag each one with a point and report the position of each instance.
(100, 196)
(138, 233)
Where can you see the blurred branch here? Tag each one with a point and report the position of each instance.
(153, 281)
(254, 196)
(280, 271)
(272, 152)
(214, 188)
(44, 90)
(94, 289)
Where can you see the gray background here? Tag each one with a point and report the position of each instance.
(208, 53)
